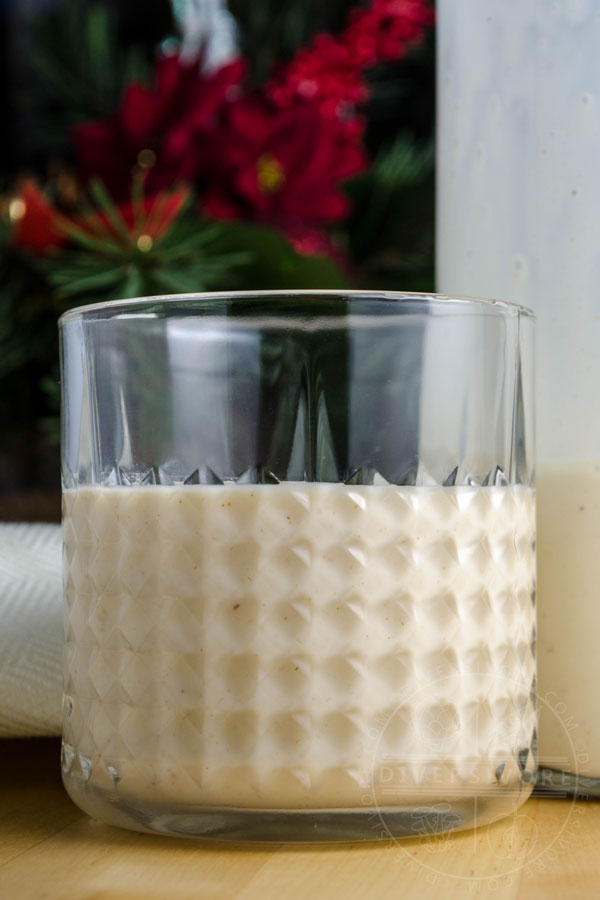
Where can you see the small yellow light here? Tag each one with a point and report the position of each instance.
(146, 158)
(16, 209)
(270, 174)
(144, 243)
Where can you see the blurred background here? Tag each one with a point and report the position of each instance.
(191, 145)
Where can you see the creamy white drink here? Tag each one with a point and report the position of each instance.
(288, 646)
(518, 218)
(568, 500)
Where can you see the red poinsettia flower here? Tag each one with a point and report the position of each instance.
(386, 29)
(330, 73)
(154, 129)
(278, 166)
(326, 75)
(37, 224)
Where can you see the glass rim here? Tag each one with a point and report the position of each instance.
(138, 304)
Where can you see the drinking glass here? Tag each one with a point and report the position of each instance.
(298, 563)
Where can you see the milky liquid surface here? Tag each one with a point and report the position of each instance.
(288, 646)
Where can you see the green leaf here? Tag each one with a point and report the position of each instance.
(275, 264)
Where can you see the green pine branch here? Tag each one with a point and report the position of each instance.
(109, 258)
(85, 276)
(394, 195)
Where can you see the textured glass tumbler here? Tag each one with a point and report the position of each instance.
(298, 564)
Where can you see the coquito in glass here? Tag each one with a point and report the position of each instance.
(299, 564)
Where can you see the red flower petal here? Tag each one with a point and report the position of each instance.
(138, 117)
(268, 163)
(329, 73)
(165, 119)
(38, 227)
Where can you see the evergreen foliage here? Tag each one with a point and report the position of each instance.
(80, 57)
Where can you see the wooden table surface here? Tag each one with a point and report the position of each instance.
(49, 850)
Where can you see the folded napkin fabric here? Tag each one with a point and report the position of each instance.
(31, 633)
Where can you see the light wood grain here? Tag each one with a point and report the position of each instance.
(49, 850)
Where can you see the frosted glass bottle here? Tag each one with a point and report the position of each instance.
(518, 218)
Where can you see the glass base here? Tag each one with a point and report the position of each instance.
(435, 816)
(554, 783)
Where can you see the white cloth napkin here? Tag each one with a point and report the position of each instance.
(31, 632)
